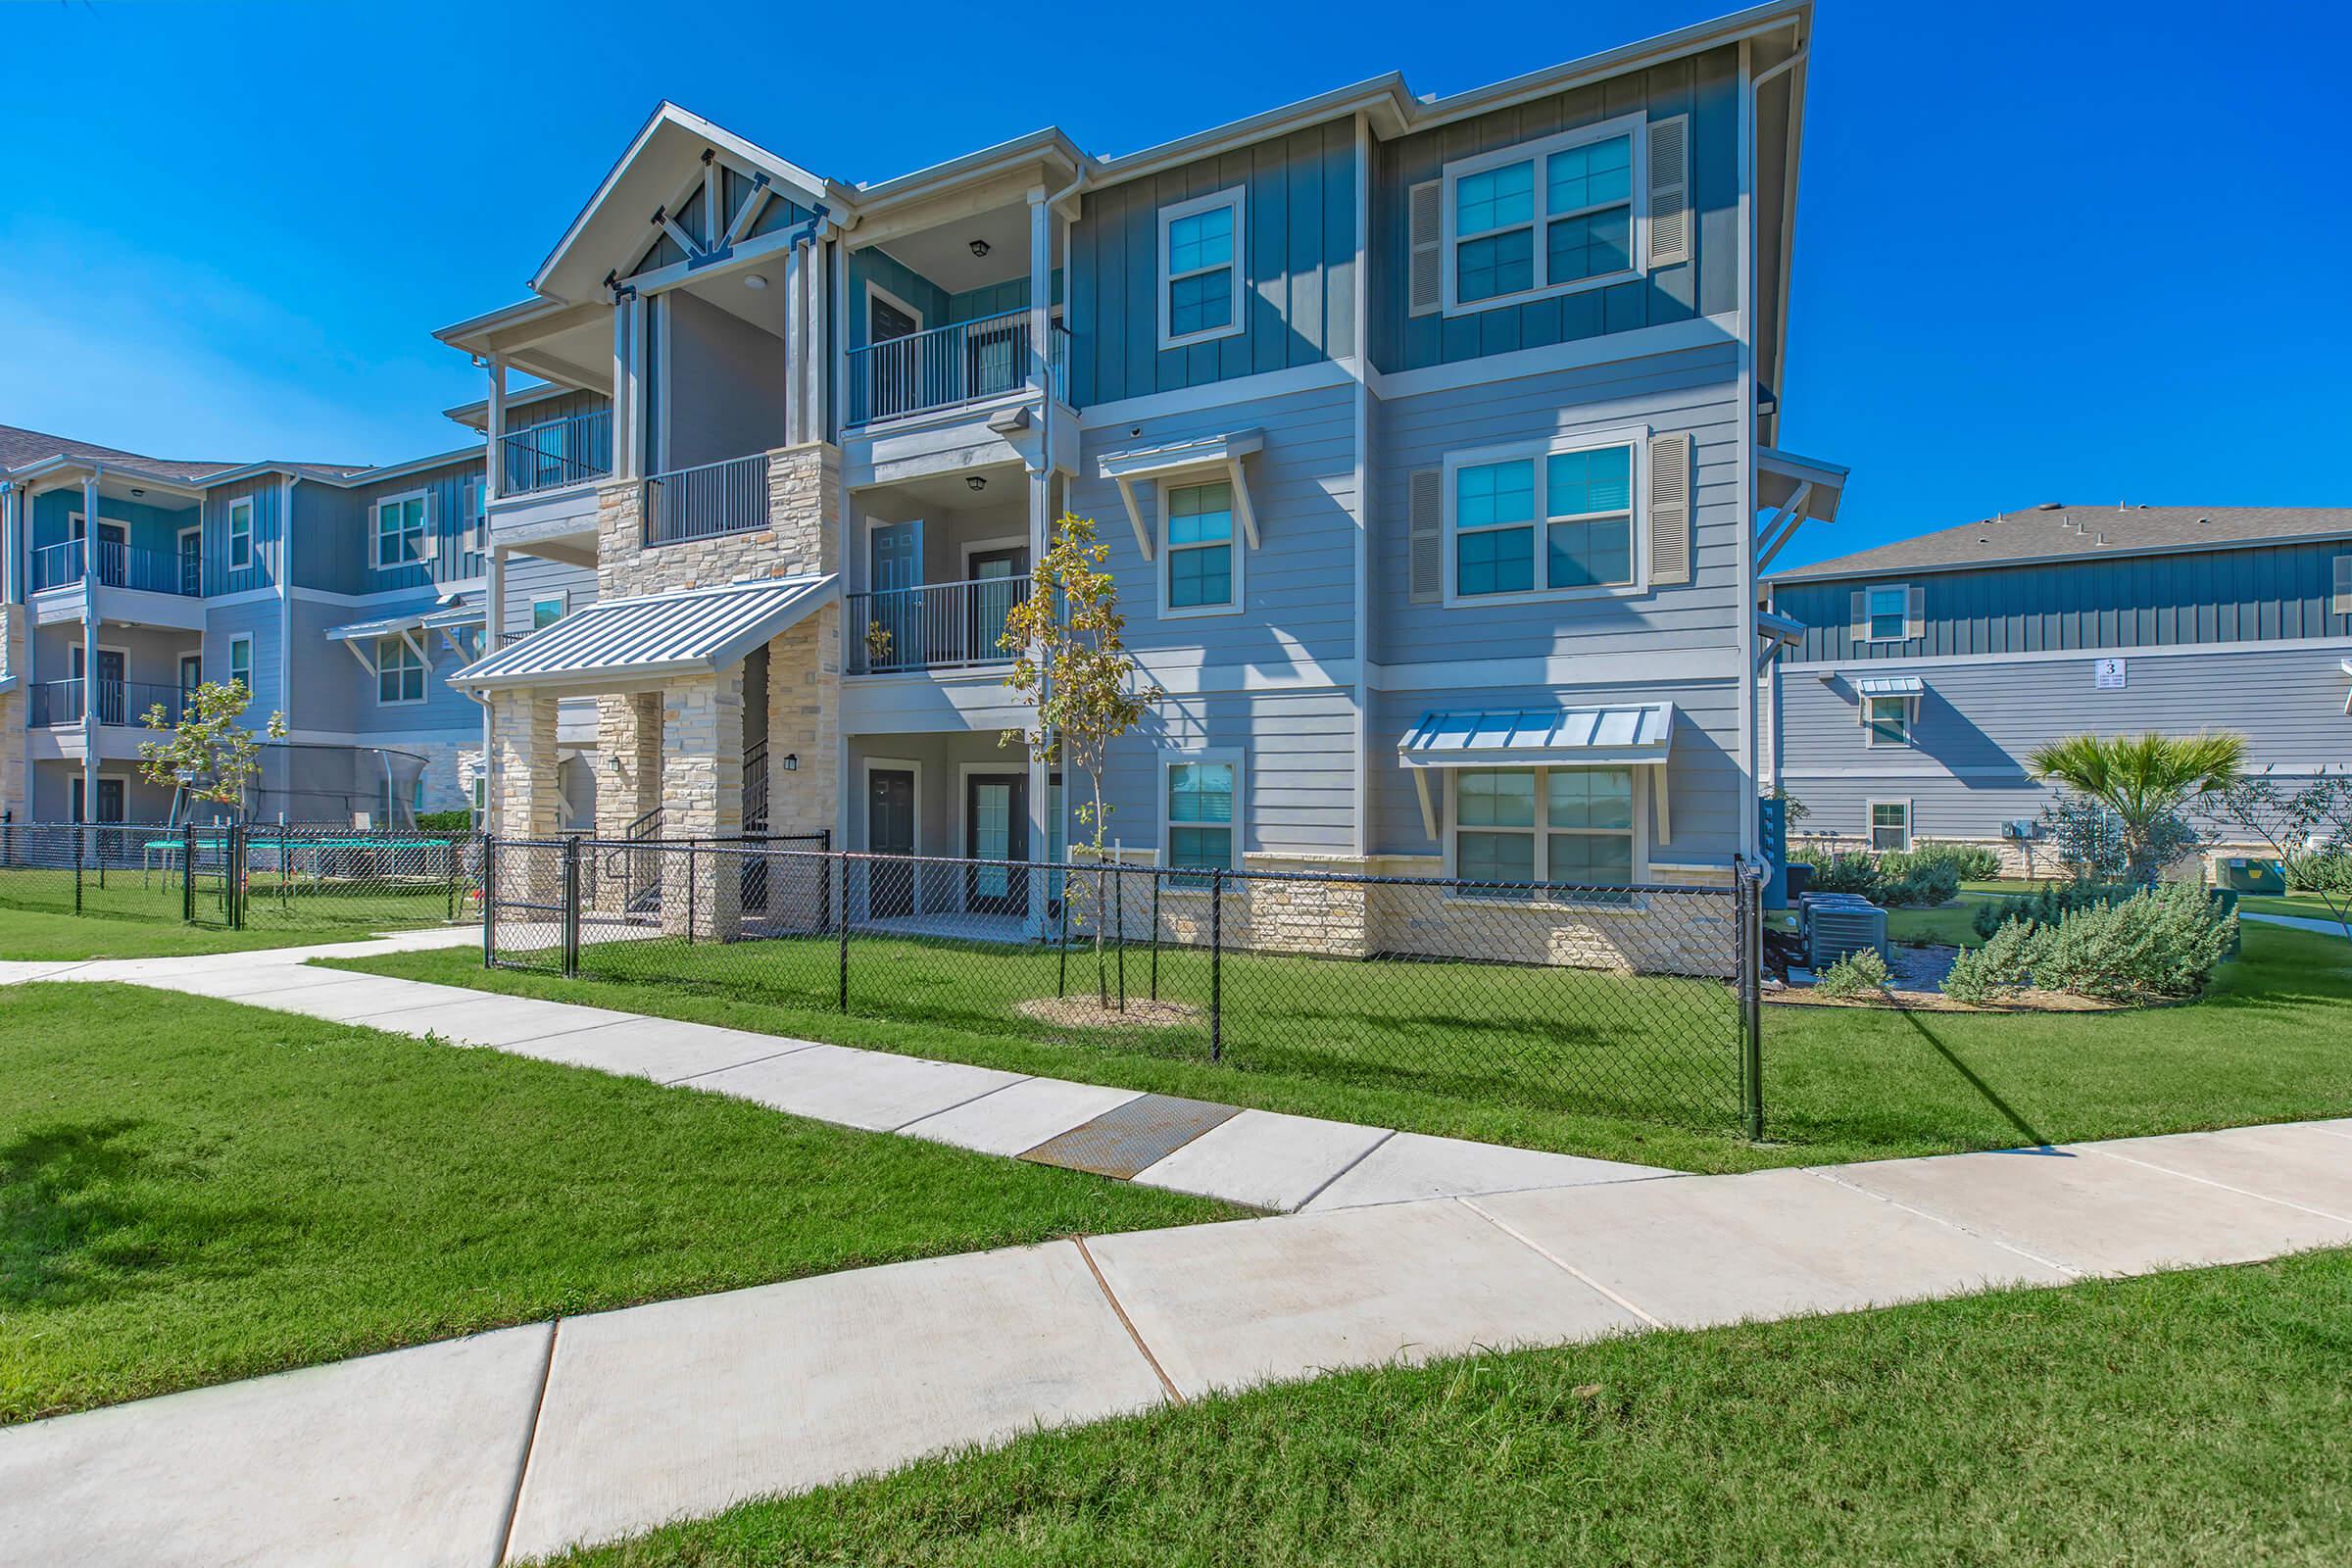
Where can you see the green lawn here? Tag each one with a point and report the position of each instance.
(2309, 905)
(193, 1191)
(35, 934)
(322, 911)
(2191, 1418)
(1842, 1084)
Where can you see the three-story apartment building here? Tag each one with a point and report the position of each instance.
(1428, 438)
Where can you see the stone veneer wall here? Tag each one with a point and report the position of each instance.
(702, 798)
(803, 720)
(803, 533)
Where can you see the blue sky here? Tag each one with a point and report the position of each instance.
(2075, 253)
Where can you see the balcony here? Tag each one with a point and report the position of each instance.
(556, 452)
(947, 625)
(153, 572)
(953, 366)
(57, 704)
(707, 500)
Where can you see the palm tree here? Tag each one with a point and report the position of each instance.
(2143, 780)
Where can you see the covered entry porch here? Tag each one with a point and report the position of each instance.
(950, 816)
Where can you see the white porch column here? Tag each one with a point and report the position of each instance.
(796, 348)
(816, 426)
(628, 385)
(1040, 288)
(89, 647)
(494, 477)
(1040, 838)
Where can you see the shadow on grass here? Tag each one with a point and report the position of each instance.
(61, 1215)
(2033, 1134)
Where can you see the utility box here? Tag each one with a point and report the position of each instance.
(2245, 873)
(1772, 815)
(1837, 924)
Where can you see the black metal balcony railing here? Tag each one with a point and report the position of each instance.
(554, 453)
(57, 704)
(948, 366)
(707, 500)
(942, 625)
(118, 565)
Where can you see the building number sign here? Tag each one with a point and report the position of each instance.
(2107, 674)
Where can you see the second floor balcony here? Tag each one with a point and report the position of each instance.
(958, 366)
(116, 564)
(574, 449)
(944, 625)
(65, 704)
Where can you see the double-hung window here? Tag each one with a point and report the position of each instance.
(1891, 825)
(1201, 269)
(1582, 498)
(1887, 720)
(240, 533)
(399, 531)
(1200, 798)
(399, 673)
(240, 662)
(1890, 610)
(1571, 827)
(1544, 217)
(1201, 571)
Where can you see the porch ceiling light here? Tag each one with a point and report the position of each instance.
(976, 481)
(753, 280)
(980, 247)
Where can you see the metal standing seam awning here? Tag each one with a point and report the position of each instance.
(361, 636)
(1625, 735)
(2346, 667)
(1207, 454)
(1910, 688)
(692, 631)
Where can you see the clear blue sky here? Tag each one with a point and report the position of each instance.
(2078, 253)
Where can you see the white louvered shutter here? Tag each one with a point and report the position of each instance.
(1915, 617)
(1670, 508)
(1425, 269)
(428, 547)
(1670, 191)
(2340, 603)
(1858, 629)
(1426, 536)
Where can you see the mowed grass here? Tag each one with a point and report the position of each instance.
(33, 934)
(193, 1191)
(2191, 1418)
(1458, 1050)
(298, 907)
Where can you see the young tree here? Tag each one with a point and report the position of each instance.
(1071, 668)
(2147, 780)
(210, 749)
(2294, 823)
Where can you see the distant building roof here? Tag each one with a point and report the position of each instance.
(2052, 532)
(18, 447)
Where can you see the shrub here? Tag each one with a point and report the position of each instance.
(444, 821)
(2047, 904)
(2327, 870)
(1971, 862)
(1858, 971)
(2004, 964)
(2163, 942)
(1918, 887)
(1848, 871)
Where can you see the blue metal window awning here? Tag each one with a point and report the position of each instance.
(644, 639)
(1890, 685)
(1627, 735)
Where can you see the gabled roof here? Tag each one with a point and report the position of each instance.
(652, 636)
(2054, 532)
(20, 448)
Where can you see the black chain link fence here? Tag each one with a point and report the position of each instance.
(1628, 1000)
(289, 876)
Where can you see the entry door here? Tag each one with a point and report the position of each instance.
(191, 676)
(996, 828)
(890, 830)
(110, 696)
(113, 554)
(896, 375)
(109, 800)
(894, 568)
(996, 578)
(191, 562)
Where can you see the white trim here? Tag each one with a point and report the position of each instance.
(1018, 766)
(1310, 378)
(424, 670)
(1870, 822)
(866, 795)
(1605, 348)
(1236, 504)
(376, 530)
(1634, 437)
(2056, 656)
(246, 638)
(1631, 127)
(981, 547)
(1638, 861)
(1235, 197)
(1233, 755)
(562, 597)
(1870, 617)
(229, 546)
(875, 291)
(1871, 740)
(178, 536)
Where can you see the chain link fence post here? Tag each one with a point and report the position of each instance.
(187, 873)
(841, 922)
(489, 904)
(1748, 909)
(571, 907)
(81, 849)
(1156, 878)
(238, 851)
(1216, 966)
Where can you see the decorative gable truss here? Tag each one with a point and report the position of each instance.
(724, 203)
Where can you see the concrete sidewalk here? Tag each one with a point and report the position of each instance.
(2294, 922)
(524, 1441)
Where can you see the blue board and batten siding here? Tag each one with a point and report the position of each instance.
(2219, 596)
(334, 542)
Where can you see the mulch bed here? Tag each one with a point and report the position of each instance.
(1915, 984)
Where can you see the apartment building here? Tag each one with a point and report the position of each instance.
(344, 595)
(1433, 439)
(1927, 671)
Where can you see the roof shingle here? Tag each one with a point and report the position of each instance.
(2076, 533)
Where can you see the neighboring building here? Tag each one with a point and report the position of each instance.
(349, 622)
(1930, 669)
(1428, 438)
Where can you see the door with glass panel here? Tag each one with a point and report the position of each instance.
(996, 583)
(894, 637)
(890, 830)
(890, 351)
(996, 828)
(110, 558)
(191, 562)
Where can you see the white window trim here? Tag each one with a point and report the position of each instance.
(1241, 797)
(240, 559)
(1869, 824)
(1016, 764)
(1631, 126)
(1233, 543)
(866, 768)
(1542, 831)
(424, 689)
(475, 495)
(1871, 740)
(375, 531)
(179, 537)
(983, 547)
(1235, 197)
(1636, 436)
(560, 599)
(245, 642)
(875, 291)
(1870, 617)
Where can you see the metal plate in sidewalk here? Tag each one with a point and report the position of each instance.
(1134, 1137)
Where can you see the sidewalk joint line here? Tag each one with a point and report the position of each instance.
(1563, 1264)
(1175, 1394)
(995, 1089)
(1325, 1184)
(2207, 1181)
(530, 1441)
(793, 1050)
(1826, 1174)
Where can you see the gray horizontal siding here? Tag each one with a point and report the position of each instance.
(1690, 391)
(531, 577)
(1298, 767)
(2219, 596)
(1977, 724)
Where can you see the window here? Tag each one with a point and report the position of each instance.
(1890, 824)
(241, 661)
(1200, 269)
(1568, 827)
(1200, 827)
(399, 672)
(477, 514)
(240, 533)
(1199, 563)
(1543, 218)
(547, 611)
(1585, 498)
(400, 532)
(1890, 610)
(1887, 720)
